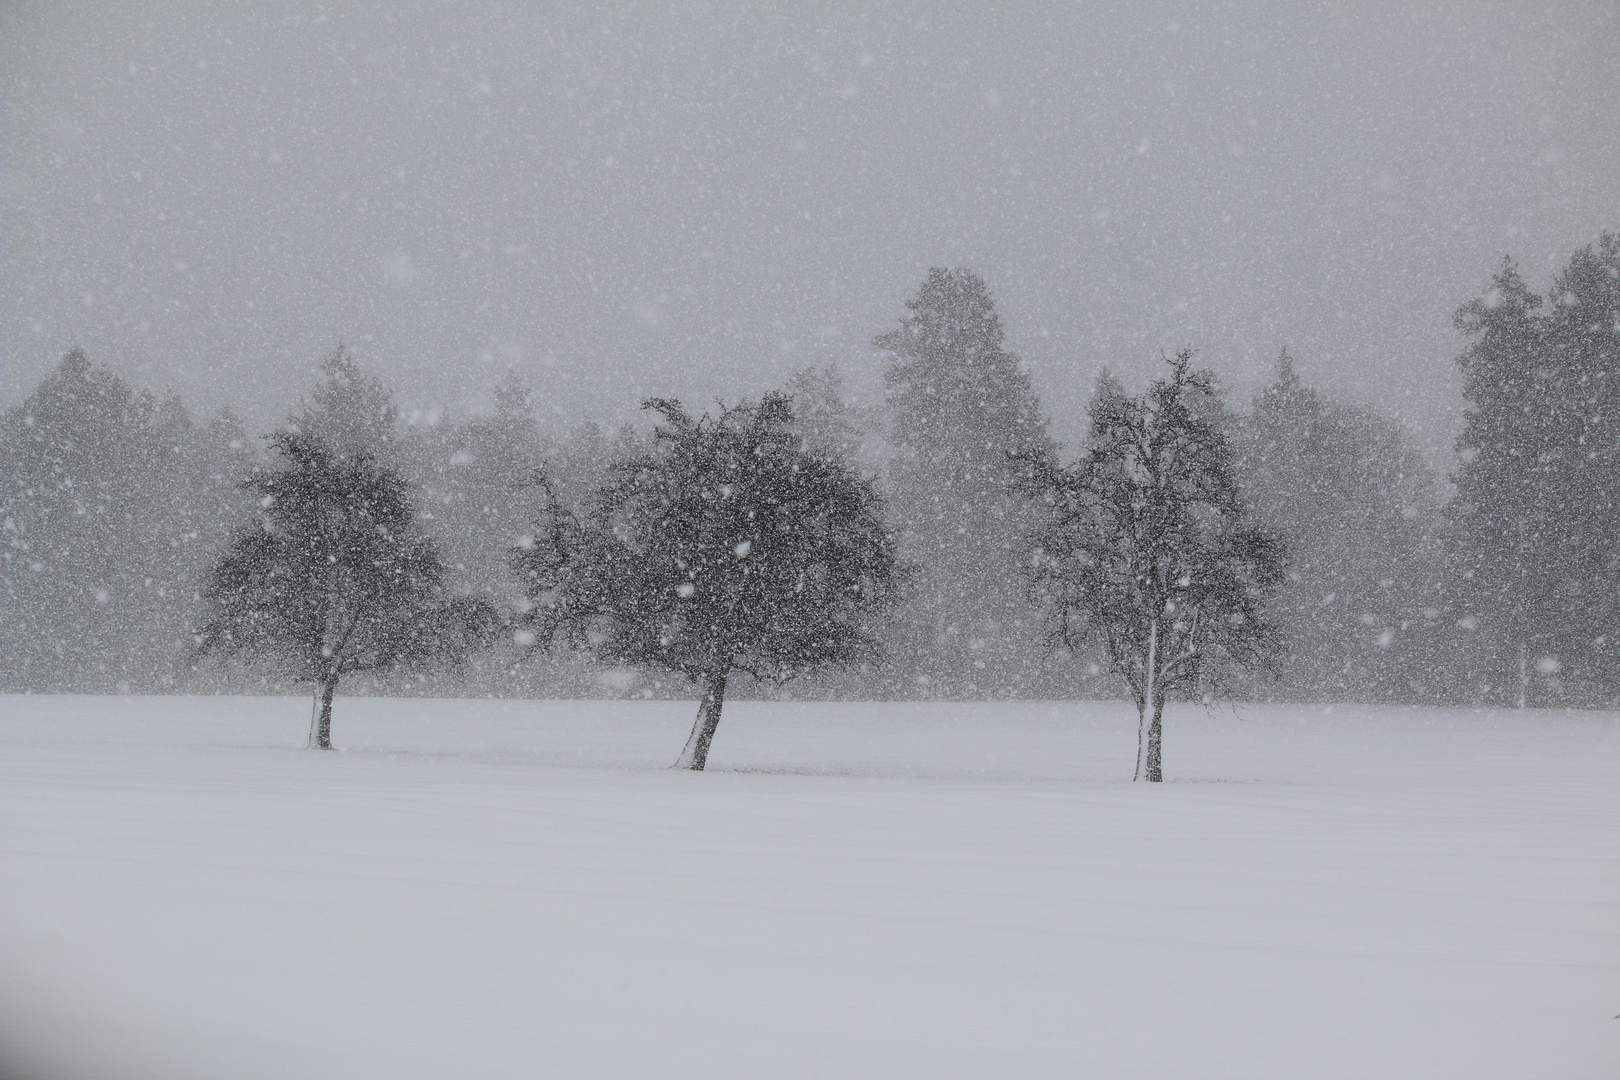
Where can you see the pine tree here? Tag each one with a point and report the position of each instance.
(350, 411)
(111, 502)
(961, 407)
(1537, 490)
(726, 547)
(478, 491)
(1356, 508)
(1583, 341)
(477, 481)
(68, 453)
(333, 577)
(825, 421)
(1147, 549)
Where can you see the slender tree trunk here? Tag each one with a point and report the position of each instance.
(696, 753)
(320, 726)
(1155, 739)
(1141, 740)
(1147, 744)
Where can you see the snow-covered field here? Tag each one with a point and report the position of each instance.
(520, 889)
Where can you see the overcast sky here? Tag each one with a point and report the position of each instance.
(698, 200)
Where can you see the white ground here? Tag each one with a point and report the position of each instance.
(513, 889)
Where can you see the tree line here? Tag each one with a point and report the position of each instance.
(1304, 551)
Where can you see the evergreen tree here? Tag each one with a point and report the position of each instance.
(961, 407)
(1583, 341)
(726, 547)
(478, 481)
(1355, 507)
(351, 411)
(479, 492)
(333, 577)
(68, 452)
(826, 423)
(1538, 490)
(111, 501)
(509, 445)
(1147, 549)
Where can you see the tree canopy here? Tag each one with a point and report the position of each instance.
(961, 405)
(333, 576)
(1358, 511)
(728, 546)
(1147, 550)
(1538, 487)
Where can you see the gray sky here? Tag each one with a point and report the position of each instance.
(698, 200)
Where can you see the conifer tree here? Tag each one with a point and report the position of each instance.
(1356, 508)
(1583, 334)
(477, 480)
(112, 501)
(1538, 490)
(826, 423)
(961, 406)
(351, 410)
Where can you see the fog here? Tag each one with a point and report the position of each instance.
(934, 626)
(698, 201)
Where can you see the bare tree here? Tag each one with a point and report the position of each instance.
(334, 577)
(1147, 550)
(727, 547)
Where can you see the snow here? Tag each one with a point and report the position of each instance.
(520, 889)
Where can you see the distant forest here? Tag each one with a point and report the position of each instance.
(1501, 587)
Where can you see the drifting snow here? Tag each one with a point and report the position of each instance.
(506, 889)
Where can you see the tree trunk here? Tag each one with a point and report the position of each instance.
(320, 728)
(1147, 739)
(1155, 738)
(696, 753)
(1141, 740)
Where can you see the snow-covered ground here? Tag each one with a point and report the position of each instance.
(520, 889)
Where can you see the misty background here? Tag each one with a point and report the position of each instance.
(699, 201)
(522, 224)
